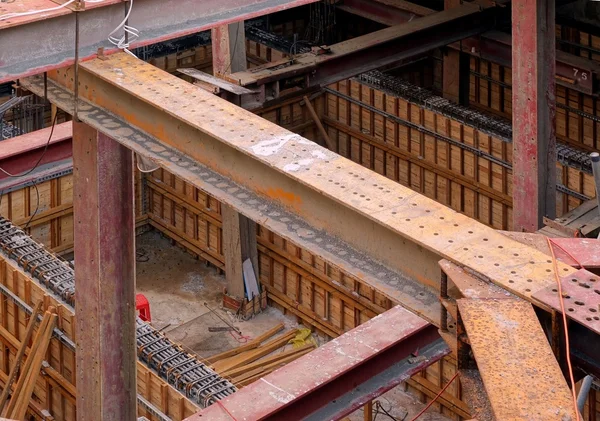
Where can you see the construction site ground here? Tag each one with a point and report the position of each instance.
(177, 285)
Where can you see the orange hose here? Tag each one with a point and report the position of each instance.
(436, 398)
(565, 250)
(564, 317)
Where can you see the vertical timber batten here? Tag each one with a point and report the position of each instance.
(105, 273)
(534, 113)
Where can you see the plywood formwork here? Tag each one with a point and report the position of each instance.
(52, 224)
(300, 283)
(55, 389)
(45, 209)
(445, 158)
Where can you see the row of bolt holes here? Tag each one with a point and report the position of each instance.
(387, 191)
(420, 226)
(581, 303)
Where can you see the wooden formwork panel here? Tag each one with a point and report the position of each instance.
(293, 115)
(423, 149)
(52, 223)
(45, 210)
(199, 57)
(258, 54)
(577, 121)
(414, 156)
(55, 389)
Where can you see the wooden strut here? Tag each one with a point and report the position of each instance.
(19, 402)
(19, 356)
(330, 145)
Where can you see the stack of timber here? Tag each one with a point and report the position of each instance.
(171, 383)
(251, 361)
(21, 395)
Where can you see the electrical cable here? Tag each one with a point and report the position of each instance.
(565, 324)
(40, 158)
(37, 206)
(378, 409)
(123, 42)
(436, 397)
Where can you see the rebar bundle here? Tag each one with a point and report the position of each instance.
(179, 368)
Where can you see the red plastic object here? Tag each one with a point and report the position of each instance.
(143, 306)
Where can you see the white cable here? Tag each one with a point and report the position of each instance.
(33, 12)
(123, 43)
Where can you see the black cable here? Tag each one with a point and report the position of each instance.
(379, 409)
(41, 156)
(37, 206)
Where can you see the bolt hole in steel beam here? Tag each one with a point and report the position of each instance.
(394, 284)
(25, 51)
(276, 184)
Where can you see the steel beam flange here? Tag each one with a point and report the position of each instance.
(395, 285)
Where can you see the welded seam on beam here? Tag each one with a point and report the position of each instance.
(401, 289)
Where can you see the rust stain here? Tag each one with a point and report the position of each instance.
(288, 199)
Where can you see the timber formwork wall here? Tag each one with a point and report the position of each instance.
(52, 224)
(461, 158)
(298, 282)
(55, 390)
(45, 210)
(577, 122)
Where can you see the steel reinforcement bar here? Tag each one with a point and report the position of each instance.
(184, 371)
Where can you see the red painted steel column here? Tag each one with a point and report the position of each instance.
(105, 277)
(534, 113)
(220, 50)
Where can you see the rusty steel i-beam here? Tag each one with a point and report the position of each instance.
(340, 376)
(372, 227)
(22, 53)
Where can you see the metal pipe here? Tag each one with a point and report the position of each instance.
(584, 391)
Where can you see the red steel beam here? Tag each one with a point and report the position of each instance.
(340, 376)
(104, 228)
(20, 154)
(534, 113)
(572, 71)
(367, 52)
(22, 54)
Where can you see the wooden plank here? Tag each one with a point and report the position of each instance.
(254, 343)
(266, 361)
(253, 355)
(221, 83)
